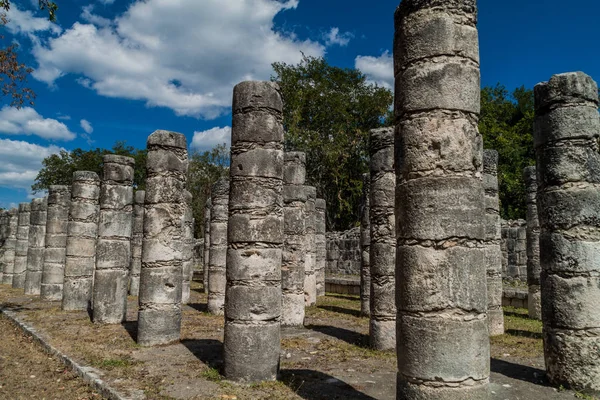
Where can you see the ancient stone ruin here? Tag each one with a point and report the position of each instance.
(219, 214)
(37, 240)
(137, 237)
(310, 257)
(206, 244)
(320, 246)
(534, 297)
(188, 248)
(20, 266)
(10, 243)
(365, 247)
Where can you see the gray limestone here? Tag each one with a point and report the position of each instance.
(365, 247)
(493, 237)
(20, 269)
(219, 215)
(320, 245)
(292, 266)
(566, 132)
(10, 244)
(187, 249)
(137, 236)
(310, 256)
(443, 346)
(82, 232)
(55, 253)
(113, 247)
(3, 235)
(252, 341)
(534, 298)
(37, 244)
(159, 316)
(206, 244)
(382, 251)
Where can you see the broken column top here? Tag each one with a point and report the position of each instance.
(468, 7)
(116, 159)
(220, 188)
(24, 207)
(490, 162)
(164, 138)
(39, 204)
(85, 176)
(382, 137)
(257, 95)
(294, 168)
(570, 87)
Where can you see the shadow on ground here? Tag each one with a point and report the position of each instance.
(520, 372)
(315, 385)
(209, 351)
(202, 307)
(529, 334)
(341, 310)
(346, 335)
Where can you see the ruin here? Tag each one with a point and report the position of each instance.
(514, 250)
(320, 246)
(20, 268)
(382, 251)
(219, 215)
(10, 243)
(443, 347)
(566, 131)
(293, 258)
(113, 247)
(492, 242)
(365, 247)
(310, 247)
(82, 232)
(137, 236)
(187, 249)
(206, 244)
(534, 297)
(251, 347)
(37, 244)
(159, 315)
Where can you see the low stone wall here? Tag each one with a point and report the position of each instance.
(514, 297)
(345, 285)
(343, 252)
(514, 250)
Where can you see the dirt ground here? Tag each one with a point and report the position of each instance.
(328, 359)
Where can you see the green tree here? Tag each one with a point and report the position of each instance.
(506, 124)
(328, 112)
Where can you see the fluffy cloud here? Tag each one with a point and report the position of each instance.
(21, 162)
(86, 126)
(208, 139)
(333, 37)
(26, 121)
(378, 69)
(185, 55)
(24, 22)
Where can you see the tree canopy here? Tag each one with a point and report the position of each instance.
(328, 112)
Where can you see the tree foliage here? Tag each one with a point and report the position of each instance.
(506, 124)
(328, 112)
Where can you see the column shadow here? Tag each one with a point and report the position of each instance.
(316, 385)
(209, 351)
(131, 327)
(202, 307)
(348, 336)
(517, 371)
(341, 310)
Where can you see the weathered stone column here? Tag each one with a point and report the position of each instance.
(493, 237)
(219, 214)
(137, 236)
(82, 232)
(255, 235)
(442, 336)
(113, 248)
(10, 246)
(320, 245)
(534, 298)
(37, 244)
(292, 266)
(382, 257)
(159, 316)
(567, 127)
(310, 257)
(187, 248)
(206, 244)
(53, 274)
(20, 269)
(4, 219)
(365, 247)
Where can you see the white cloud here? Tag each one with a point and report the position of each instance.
(377, 69)
(87, 15)
(86, 126)
(25, 23)
(26, 121)
(21, 162)
(333, 37)
(208, 139)
(185, 55)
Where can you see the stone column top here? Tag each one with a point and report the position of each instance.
(530, 176)
(570, 87)
(257, 95)
(116, 159)
(295, 157)
(24, 207)
(167, 139)
(320, 204)
(39, 204)
(490, 162)
(220, 188)
(85, 176)
(59, 188)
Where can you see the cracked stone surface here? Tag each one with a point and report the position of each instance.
(534, 268)
(137, 236)
(10, 243)
(22, 246)
(37, 243)
(219, 215)
(365, 247)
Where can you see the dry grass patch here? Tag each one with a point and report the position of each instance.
(522, 338)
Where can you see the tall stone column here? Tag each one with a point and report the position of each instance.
(3, 236)
(82, 232)
(566, 131)
(219, 214)
(534, 299)
(320, 245)
(255, 235)
(493, 237)
(442, 336)
(55, 252)
(310, 257)
(206, 244)
(37, 244)
(187, 248)
(292, 266)
(113, 248)
(137, 236)
(382, 327)
(10, 246)
(365, 247)
(20, 269)
(159, 316)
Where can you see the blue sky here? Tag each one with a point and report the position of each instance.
(118, 70)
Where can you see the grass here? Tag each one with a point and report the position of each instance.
(113, 363)
(523, 337)
(212, 374)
